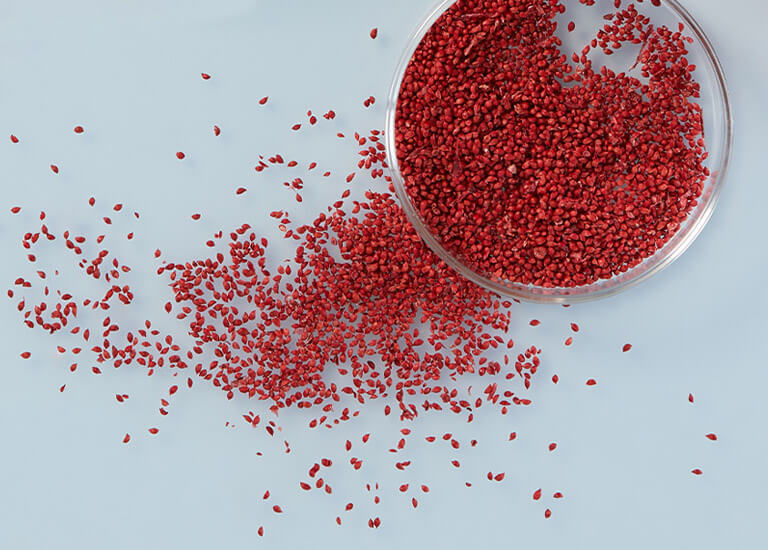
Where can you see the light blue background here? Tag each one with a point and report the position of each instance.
(130, 73)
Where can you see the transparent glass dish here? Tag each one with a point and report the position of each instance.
(718, 134)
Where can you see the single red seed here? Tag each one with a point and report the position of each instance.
(15, 209)
(374, 33)
(557, 495)
(14, 139)
(241, 190)
(127, 438)
(153, 431)
(690, 398)
(571, 26)
(547, 513)
(512, 436)
(626, 348)
(591, 382)
(260, 531)
(54, 169)
(535, 323)
(205, 76)
(263, 100)
(79, 130)
(574, 327)
(537, 494)
(712, 437)
(180, 155)
(555, 379)
(216, 130)
(696, 471)
(277, 509)
(552, 446)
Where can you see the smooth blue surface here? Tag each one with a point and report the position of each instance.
(129, 72)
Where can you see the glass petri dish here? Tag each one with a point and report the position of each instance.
(718, 129)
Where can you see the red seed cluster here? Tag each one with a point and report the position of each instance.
(533, 165)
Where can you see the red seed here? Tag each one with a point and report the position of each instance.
(14, 139)
(260, 531)
(697, 472)
(535, 323)
(415, 502)
(557, 495)
(555, 379)
(127, 438)
(690, 398)
(537, 494)
(591, 382)
(263, 100)
(277, 509)
(54, 169)
(15, 209)
(512, 436)
(79, 129)
(205, 76)
(153, 431)
(216, 130)
(424, 488)
(574, 327)
(374, 33)
(626, 348)
(571, 26)
(241, 190)
(180, 155)
(547, 513)
(712, 437)
(568, 341)
(25, 355)
(552, 446)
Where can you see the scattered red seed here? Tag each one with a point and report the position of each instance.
(547, 513)
(535, 323)
(626, 348)
(241, 190)
(712, 437)
(153, 431)
(591, 382)
(15, 209)
(79, 129)
(696, 471)
(690, 398)
(374, 33)
(127, 438)
(180, 155)
(537, 494)
(263, 100)
(277, 509)
(216, 130)
(552, 446)
(54, 169)
(205, 76)
(14, 139)
(512, 436)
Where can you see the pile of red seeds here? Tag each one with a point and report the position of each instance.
(533, 166)
(362, 309)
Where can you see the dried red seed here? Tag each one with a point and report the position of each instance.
(712, 437)
(626, 348)
(535, 323)
(260, 531)
(180, 155)
(571, 26)
(263, 100)
(537, 494)
(216, 130)
(205, 76)
(512, 436)
(15, 209)
(552, 446)
(591, 382)
(555, 379)
(374, 33)
(696, 471)
(277, 509)
(415, 502)
(153, 431)
(547, 513)
(14, 139)
(127, 438)
(54, 169)
(79, 129)
(241, 190)
(25, 355)
(574, 327)
(690, 398)
(557, 495)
